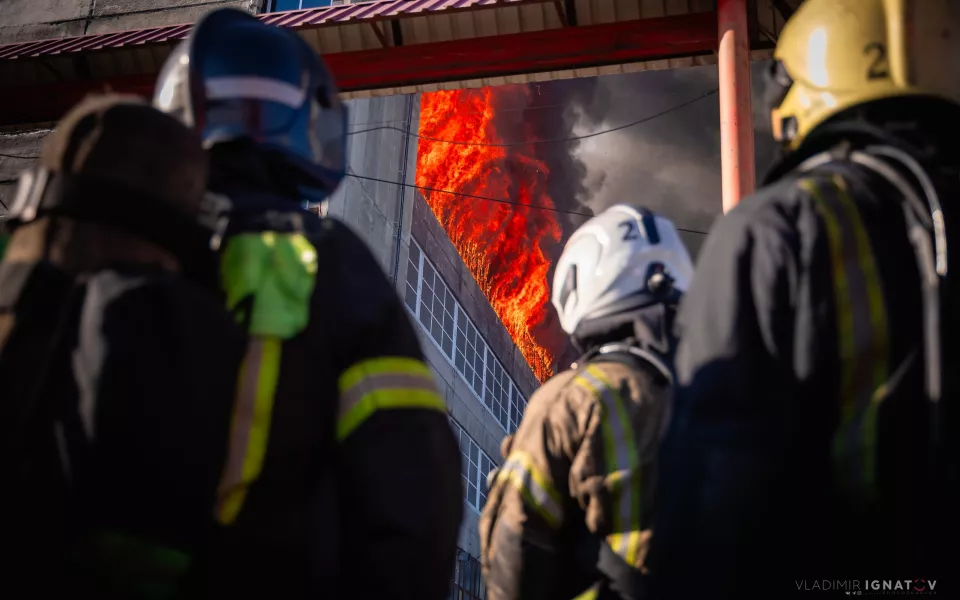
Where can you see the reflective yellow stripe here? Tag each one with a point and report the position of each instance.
(250, 429)
(383, 384)
(535, 487)
(623, 465)
(862, 336)
(590, 594)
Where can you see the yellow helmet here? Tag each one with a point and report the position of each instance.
(835, 54)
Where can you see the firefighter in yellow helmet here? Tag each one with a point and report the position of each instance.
(815, 428)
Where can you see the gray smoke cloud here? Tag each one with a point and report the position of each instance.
(671, 163)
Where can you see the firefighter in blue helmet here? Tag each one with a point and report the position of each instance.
(343, 476)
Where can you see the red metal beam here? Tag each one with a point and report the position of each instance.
(552, 50)
(476, 58)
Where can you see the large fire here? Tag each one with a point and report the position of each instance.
(501, 244)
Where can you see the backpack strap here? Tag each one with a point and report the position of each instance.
(927, 234)
(636, 357)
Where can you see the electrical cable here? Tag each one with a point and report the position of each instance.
(497, 200)
(646, 119)
(533, 142)
(465, 195)
(673, 108)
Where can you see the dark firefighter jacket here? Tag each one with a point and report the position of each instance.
(801, 447)
(105, 343)
(570, 510)
(343, 478)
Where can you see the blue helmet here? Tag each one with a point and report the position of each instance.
(236, 78)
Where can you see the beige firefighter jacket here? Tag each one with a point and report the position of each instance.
(584, 454)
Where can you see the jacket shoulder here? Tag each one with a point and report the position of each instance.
(638, 383)
(774, 205)
(571, 390)
(337, 236)
(616, 373)
(346, 262)
(551, 394)
(355, 299)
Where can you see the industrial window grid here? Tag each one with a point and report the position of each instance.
(467, 581)
(438, 311)
(475, 468)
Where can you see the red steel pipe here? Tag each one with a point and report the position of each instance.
(736, 113)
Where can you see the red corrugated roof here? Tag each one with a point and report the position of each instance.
(374, 10)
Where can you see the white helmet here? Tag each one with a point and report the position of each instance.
(614, 262)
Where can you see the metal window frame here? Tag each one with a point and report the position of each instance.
(451, 358)
(481, 477)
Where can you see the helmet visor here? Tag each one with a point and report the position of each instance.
(329, 136)
(274, 113)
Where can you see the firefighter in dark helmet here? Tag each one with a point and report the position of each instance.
(117, 371)
(343, 479)
(815, 431)
(569, 512)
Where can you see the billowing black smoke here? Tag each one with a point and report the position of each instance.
(551, 111)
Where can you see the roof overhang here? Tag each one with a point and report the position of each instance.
(387, 46)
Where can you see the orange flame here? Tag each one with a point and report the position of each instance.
(501, 244)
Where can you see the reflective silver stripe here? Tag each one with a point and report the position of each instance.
(520, 471)
(861, 329)
(626, 467)
(255, 88)
(372, 383)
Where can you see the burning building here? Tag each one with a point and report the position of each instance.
(500, 219)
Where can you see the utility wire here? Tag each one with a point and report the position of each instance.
(497, 200)
(534, 142)
(425, 188)
(674, 108)
(366, 193)
(504, 145)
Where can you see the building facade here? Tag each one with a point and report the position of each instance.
(482, 375)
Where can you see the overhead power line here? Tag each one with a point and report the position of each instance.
(550, 141)
(425, 188)
(488, 199)
(533, 142)
(503, 145)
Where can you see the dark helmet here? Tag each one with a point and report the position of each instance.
(236, 78)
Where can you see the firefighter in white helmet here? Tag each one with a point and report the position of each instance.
(569, 511)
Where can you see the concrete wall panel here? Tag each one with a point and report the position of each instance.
(26, 20)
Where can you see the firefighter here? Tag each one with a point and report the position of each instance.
(112, 437)
(344, 477)
(816, 431)
(570, 510)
